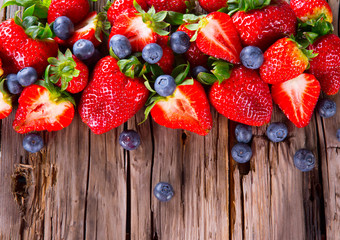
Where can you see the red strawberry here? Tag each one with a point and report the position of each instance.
(168, 59)
(75, 10)
(18, 50)
(41, 109)
(262, 27)
(217, 37)
(68, 72)
(297, 98)
(130, 24)
(243, 98)
(91, 28)
(188, 108)
(111, 98)
(5, 101)
(311, 9)
(213, 5)
(169, 5)
(194, 55)
(1, 70)
(118, 6)
(283, 61)
(325, 66)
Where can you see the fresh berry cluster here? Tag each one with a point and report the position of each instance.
(160, 55)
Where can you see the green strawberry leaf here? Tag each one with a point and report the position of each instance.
(206, 78)
(40, 9)
(160, 16)
(107, 6)
(156, 70)
(180, 73)
(131, 67)
(148, 86)
(187, 82)
(221, 70)
(152, 101)
(174, 18)
(246, 5)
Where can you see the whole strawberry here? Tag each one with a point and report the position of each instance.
(194, 55)
(181, 110)
(5, 101)
(111, 98)
(244, 97)
(262, 25)
(325, 66)
(118, 6)
(297, 98)
(311, 9)
(68, 72)
(76, 10)
(168, 59)
(19, 50)
(213, 5)
(43, 107)
(284, 60)
(169, 5)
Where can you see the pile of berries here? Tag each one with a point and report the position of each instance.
(248, 53)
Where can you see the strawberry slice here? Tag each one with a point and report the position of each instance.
(91, 28)
(217, 37)
(188, 108)
(297, 98)
(5, 101)
(42, 109)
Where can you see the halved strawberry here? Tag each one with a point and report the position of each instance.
(1, 70)
(243, 97)
(139, 27)
(118, 6)
(311, 9)
(91, 28)
(5, 101)
(42, 109)
(297, 98)
(188, 108)
(217, 37)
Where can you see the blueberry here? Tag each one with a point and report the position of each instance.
(63, 28)
(129, 140)
(13, 85)
(27, 76)
(338, 134)
(241, 153)
(243, 133)
(304, 160)
(33, 143)
(165, 85)
(83, 49)
(163, 191)
(251, 57)
(277, 132)
(326, 108)
(120, 46)
(152, 53)
(180, 42)
(197, 70)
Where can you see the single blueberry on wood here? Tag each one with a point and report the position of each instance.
(33, 143)
(241, 153)
(129, 140)
(277, 132)
(243, 133)
(163, 191)
(304, 160)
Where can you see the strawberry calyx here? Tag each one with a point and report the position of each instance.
(176, 18)
(101, 25)
(153, 20)
(197, 27)
(246, 5)
(132, 67)
(180, 74)
(6, 96)
(62, 68)
(32, 26)
(302, 46)
(107, 6)
(56, 95)
(40, 7)
(221, 71)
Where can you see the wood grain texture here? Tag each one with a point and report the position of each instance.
(84, 186)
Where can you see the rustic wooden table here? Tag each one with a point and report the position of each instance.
(84, 186)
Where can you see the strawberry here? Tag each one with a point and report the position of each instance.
(217, 37)
(311, 9)
(118, 6)
(213, 5)
(262, 27)
(5, 101)
(325, 66)
(244, 97)
(75, 10)
(91, 28)
(139, 27)
(111, 98)
(19, 50)
(194, 55)
(68, 72)
(43, 107)
(188, 108)
(169, 5)
(283, 61)
(168, 59)
(1, 70)
(297, 98)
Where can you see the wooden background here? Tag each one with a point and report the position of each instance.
(84, 186)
